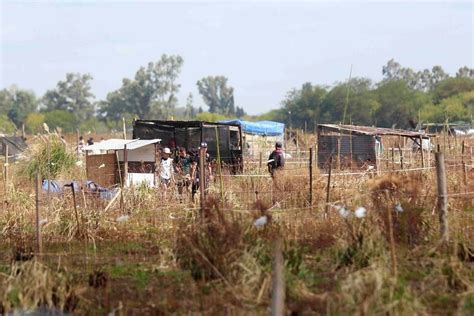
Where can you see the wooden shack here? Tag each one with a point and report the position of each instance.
(116, 161)
(357, 146)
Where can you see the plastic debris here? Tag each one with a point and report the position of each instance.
(102, 166)
(261, 221)
(44, 221)
(360, 212)
(398, 208)
(123, 218)
(79, 163)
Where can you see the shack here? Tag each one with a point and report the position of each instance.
(259, 137)
(190, 135)
(357, 146)
(16, 145)
(131, 161)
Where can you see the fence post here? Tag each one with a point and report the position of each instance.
(401, 156)
(202, 178)
(463, 163)
(124, 128)
(421, 151)
(442, 197)
(75, 209)
(260, 160)
(38, 209)
(328, 188)
(311, 177)
(278, 281)
(5, 174)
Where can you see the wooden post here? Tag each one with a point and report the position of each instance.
(79, 233)
(260, 160)
(278, 281)
(77, 144)
(442, 197)
(124, 128)
(401, 156)
(121, 181)
(463, 164)
(421, 151)
(202, 178)
(311, 177)
(393, 158)
(5, 173)
(125, 164)
(48, 149)
(38, 209)
(328, 188)
(23, 131)
(219, 169)
(351, 150)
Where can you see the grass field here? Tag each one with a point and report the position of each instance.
(159, 256)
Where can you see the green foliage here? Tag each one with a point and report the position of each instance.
(17, 104)
(34, 122)
(72, 95)
(62, 119)
(48, 148)
(152, 93)
(218, 96)
(6, 126)
(210, 117)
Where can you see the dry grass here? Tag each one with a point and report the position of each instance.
(167, 258)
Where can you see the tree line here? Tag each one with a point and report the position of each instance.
(402, 97)
(151, 93)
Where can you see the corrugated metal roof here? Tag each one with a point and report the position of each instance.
(368, 130)
(119, 144)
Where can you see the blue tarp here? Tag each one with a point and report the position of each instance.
(264, 128)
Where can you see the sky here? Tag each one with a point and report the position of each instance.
(265, 48)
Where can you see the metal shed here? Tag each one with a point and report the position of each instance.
(359, 145)
(190, 135)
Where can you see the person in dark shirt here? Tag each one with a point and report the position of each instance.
(182, 165)
(276, 160)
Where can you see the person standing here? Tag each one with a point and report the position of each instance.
(276, 160)
(166, 170)
(182, 165)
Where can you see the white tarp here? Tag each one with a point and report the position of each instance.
(119, 144)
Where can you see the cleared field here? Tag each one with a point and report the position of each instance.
(374, 248)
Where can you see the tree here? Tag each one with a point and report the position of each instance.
(6, 126)
(190, 111)
(217, 95)
(451, 87)
(72, 95)
(419, 80)
(398, 104)
(465, 72)
(34, 122)
(65, 120)
(152, 93)
(17, 104)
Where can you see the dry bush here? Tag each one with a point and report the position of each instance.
(32, 285)
(403, 196)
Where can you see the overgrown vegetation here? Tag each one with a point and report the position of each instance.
(164, 257)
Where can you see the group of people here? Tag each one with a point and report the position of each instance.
(182, 171)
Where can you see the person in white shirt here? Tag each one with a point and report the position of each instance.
(166, 170)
